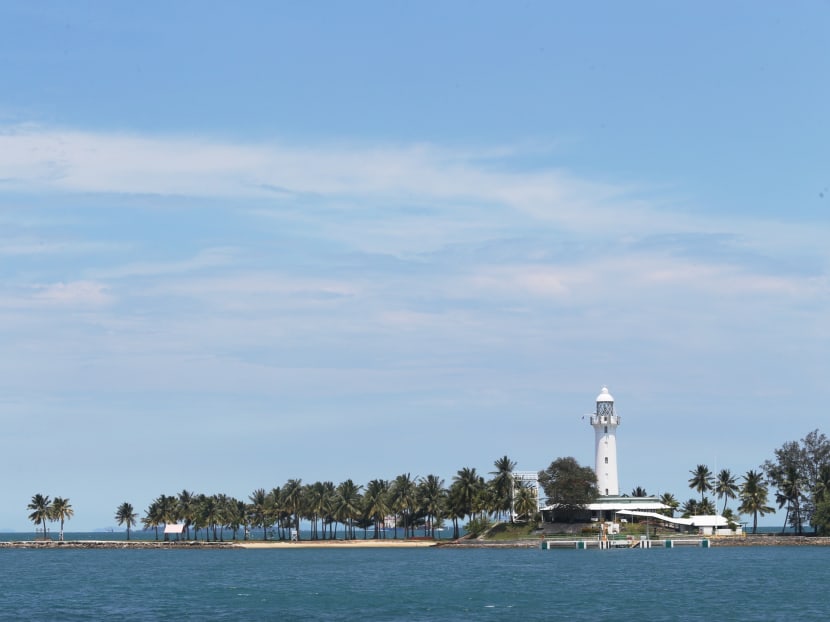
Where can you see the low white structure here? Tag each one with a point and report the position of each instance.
(606, 508)
(706, 524)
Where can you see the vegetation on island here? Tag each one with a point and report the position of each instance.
(46, 510)
(798, 475)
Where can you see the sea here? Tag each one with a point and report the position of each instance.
(721, 583)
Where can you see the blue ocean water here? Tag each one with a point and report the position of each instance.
(754, 583)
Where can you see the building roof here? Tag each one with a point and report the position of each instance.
(703, 520)
(613, 503)
(605, 396)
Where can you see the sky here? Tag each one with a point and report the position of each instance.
(247, 242)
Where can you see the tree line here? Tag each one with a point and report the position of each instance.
(799, 473)
(335, 511)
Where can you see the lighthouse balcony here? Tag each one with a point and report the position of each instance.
(605, 420)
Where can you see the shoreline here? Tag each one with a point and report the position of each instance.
(528, 543)
(228, 544)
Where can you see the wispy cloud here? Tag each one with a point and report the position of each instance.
(47, 159)
(73, 294)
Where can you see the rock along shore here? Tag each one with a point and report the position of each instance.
(526, 543)
(114, 544)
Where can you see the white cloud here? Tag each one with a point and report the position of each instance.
(74, 293)
(64, 160)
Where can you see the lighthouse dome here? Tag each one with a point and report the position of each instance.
(605, 396)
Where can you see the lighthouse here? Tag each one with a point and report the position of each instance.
(605, 422)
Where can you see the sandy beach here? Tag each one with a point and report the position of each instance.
(336, 544)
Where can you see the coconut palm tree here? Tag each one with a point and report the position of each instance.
(701, 480)
(690, 508)
(258, 510)
(208, 515)
(403, 500)
(347, 506)
(525, 503)
(376, 503)
(725, 487)
(431, 497)
(706, 507)
(168, 511)
(753, 495)
(41, 506)
(292, 501)
(456, 508)
(503, 485)
(125, 515)
(185, 509)
(639, 491)
(61, 511)
(277, 514)
(469, 487)
(153, 517)
(235, 516)
(668, 499)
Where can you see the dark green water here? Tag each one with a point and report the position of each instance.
(777, 583)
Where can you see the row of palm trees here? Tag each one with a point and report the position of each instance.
(411, 503)
(46, 510)
(422, 503)
(752, 492)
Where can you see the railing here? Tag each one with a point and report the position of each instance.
(605, 420)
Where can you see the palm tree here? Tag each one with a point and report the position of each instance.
(235, 515)
(706, 507)
(209, 514)
(376, 502)
(753, 496)
(668, 499)
(277, 515)
(701, 480)
(690, 508)
(292, 500)
(168, 511)
(456, 509)
(258, 510)
(431, 498)
(725, 487)
(347, 506)
(153, 517)
(41, 506)
(125, 515)
(61, 511)
(503, 484)
(526, 503)
(403, 500)
(469, 487)
(185, 509)
(639, 491)
(316, 502)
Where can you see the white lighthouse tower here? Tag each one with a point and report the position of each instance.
(605, 423)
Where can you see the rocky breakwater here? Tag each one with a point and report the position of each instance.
(114, 544)
(770, 540)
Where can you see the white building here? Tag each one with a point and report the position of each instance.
(605, 422)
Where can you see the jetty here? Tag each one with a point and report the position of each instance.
(624, 543)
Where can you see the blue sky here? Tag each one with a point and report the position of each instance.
(353, 240)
